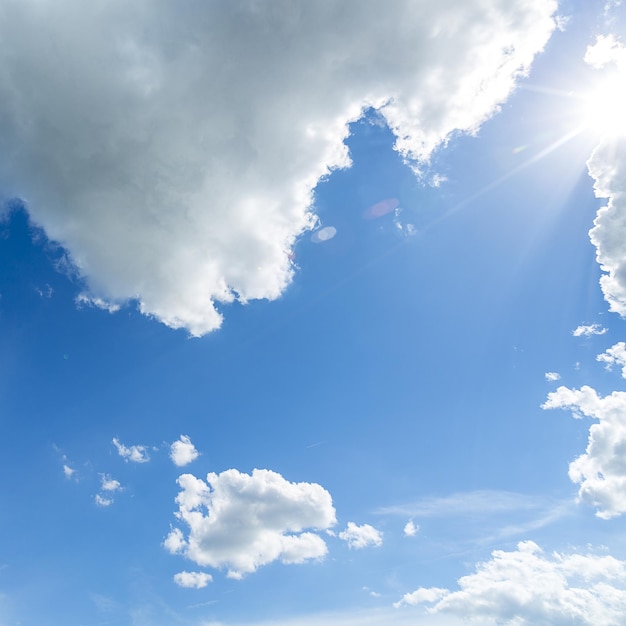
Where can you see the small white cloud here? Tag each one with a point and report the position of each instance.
(359, 537)
(588, 330)
(552, 376)
(242, 521)
(526, 588)
(68, 471)
(183, 452)
(192, 580)
(601, 470)
(109, 484)
(615, 355)
(102, 501)
(373, 594)
(136, 454)
(411, 529)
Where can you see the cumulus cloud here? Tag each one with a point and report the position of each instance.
(552, 376)
(601, 470)
(243, 521)
(192, 580)
(607, 166)
(588, 330)
(359, 537)
(527, 588)
(606, 50)
(136, 454)
(615, 355)
(183, 452)
(174, 153)
(411, 529)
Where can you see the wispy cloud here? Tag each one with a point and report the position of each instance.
(484, 502)
(136, 453)
(588, 330)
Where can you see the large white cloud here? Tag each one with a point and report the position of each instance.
(607, 166)
(174, 152)
(242, 521)
(601, 470)
(527, 588)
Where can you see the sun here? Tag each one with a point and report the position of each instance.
(604, 106)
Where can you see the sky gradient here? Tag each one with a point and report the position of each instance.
(312, 313)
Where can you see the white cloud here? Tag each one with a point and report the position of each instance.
(411, 529)
(607, 166)
(183, 452)
(243, 521)
(605, 51)
(615, 355)
(136, 454)
(109, 484)
(68, 471)
(192, 580)
(103, 501)
(174, 153)
(552, 376)
(359, 537)
(601, 470)
(527, 588)
(588, 330)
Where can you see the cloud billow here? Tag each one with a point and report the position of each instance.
(243, 521)
(175, 153)
(525, 587)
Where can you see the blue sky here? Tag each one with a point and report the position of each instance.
(301, 318)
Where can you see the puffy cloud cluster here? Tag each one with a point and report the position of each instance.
(243, 521)
(601, 470)
(526, 588)
(136, 454)
(174, 152)
(359, 537)
(183, 452)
